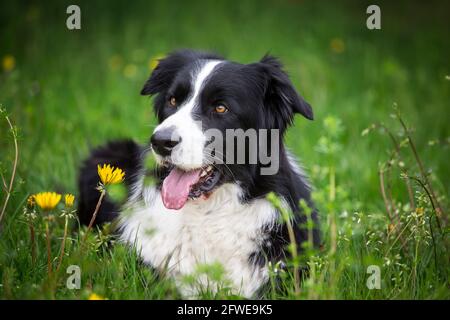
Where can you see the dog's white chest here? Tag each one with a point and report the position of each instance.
(217, 231)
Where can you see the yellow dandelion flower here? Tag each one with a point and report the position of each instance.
(47, 200)
(94, 296)
(8, 62)
(153, 62)
(337, 45)
(109, 174)
(69, 199)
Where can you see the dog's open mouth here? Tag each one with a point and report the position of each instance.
(180, 185)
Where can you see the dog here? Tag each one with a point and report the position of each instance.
(199, 211)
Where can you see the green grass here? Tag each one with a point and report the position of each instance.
(71, 90)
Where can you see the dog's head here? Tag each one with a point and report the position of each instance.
(201, 101)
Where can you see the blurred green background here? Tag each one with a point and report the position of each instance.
(69, 90)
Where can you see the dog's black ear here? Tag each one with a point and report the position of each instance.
(164, 73)
(280, 93)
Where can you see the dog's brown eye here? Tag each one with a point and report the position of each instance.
(173, 102)
(220, 109)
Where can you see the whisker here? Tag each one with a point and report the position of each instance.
(210, 159)
(145, 150)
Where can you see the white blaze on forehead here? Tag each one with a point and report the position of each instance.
(188, 154)
(198, 80)
(201, 76)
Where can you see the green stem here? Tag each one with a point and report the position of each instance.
(49, 252)
(33, 245)
(421, 166)
(13, 174)
(94, 215)
(63, 244)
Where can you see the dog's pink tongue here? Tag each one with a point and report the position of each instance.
(175, 188)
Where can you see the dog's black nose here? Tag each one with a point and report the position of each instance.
(163, 141)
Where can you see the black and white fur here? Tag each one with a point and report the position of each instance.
(234, 225)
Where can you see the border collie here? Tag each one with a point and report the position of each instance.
(202, 211)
